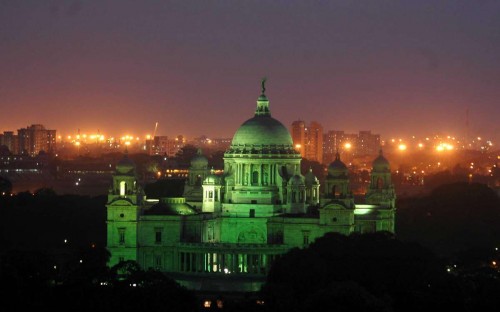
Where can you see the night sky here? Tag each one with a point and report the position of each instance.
(398, 68)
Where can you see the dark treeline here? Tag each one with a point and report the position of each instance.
(29, 281)
(44, 220)
(377, 272)
(452, 218)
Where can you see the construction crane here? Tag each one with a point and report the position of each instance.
(154, 132)
(153, 139)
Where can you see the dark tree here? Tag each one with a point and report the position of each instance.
(165, 188)
(5, 186)
(361, 273)
(453, 217)
(185, 154)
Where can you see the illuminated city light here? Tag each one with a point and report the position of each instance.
(444, 146)
(347, 145)
(402, 147)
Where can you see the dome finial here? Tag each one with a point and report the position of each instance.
(262, 101)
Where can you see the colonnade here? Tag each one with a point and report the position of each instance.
(224, 262)
(256, 174)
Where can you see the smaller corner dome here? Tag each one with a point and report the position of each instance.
(310, 178)
(199, 160)
(337, 167)
(296, 179)
(212, 179)
(381, 163)
(171, 206)
(125, 165)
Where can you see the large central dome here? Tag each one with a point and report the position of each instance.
(262, 133)
(262, 130)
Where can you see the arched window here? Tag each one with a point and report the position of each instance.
(123, 188)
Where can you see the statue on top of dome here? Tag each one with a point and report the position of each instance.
(263, 82)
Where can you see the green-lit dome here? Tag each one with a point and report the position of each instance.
(310, 178)
(172, 206)
(125, 165)
(381, 164)
(296, 180)
(262, 134)
(260, 131)
(212, 179)
(199, 161)
(337, 168)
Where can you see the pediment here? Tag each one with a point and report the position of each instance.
(121, 202)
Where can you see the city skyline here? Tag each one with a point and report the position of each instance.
(398, 69)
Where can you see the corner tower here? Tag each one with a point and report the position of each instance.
(381, 190)
(123, 206)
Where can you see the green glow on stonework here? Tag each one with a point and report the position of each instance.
(241, 221)
(362, 211)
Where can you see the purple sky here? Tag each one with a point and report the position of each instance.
(393, 67)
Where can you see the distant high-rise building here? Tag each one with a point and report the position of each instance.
(308, 140)
(35, 138)
(361, 144)
(9, 139)
(314, 142)
(163, 145)
(331, 144)
(368, 143)
(299, 136)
